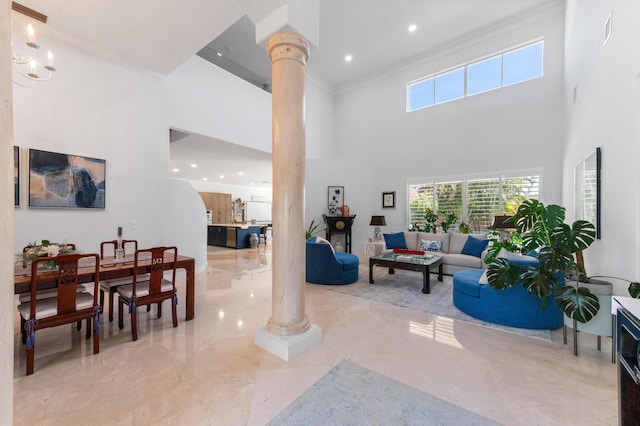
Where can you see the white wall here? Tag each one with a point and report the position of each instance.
(606, 113)
(204, 99)
(380, 146)
(95, 108)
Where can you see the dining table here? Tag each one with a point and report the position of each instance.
(111, 268)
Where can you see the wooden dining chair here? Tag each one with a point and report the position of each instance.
(154, 290)
(68, 306)
(108, 248)
(45, 294)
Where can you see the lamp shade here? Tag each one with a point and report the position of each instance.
(377, 221)
(500, 222)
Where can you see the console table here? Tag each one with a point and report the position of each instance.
(339, 225)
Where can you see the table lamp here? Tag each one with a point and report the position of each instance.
(377, 221)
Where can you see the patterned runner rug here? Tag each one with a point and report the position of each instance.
(353, 395)
(404, 288)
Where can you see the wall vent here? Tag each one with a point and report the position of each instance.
(29, 12)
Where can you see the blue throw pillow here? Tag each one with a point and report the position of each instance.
(395, 240)
(474, 246)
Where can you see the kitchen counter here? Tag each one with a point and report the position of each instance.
(234, 235)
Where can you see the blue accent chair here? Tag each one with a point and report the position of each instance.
(326, 267)
(513, 307)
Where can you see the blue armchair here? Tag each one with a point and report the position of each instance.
(326, 267)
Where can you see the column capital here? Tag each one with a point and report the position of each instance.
(287, 45)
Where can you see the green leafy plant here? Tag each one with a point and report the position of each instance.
(431, 218)
(513, 244)
(451, 220)
(543, 229)
(312, 229)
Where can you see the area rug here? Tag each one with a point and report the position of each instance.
(353, 395)
(404, 289)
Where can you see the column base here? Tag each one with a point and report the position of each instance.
(288, 347)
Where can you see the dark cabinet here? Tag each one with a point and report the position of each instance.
(339, 225)
(230, 236)
(628, 345)
(217, 236)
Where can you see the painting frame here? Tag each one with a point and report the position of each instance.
(389, 200)
(335, 198)
(16, 175)
(587, 190)
(69, 181)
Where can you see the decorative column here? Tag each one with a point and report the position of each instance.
(288, 332)
(6, 216)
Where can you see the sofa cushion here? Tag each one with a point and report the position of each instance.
(395, 240)
(436, 237)
(505, 254)
(320, 240)
(463, 260)
(457, 242)
(349, 261)
(429, 245)
(411, 240)
(474, 246)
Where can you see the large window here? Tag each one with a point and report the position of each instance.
(476, 201)
(502, 69)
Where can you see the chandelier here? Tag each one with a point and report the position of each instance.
(30, 66)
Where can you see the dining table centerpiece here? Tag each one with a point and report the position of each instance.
(45, 249)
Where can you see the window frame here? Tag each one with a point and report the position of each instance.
(465, 67)
(465, 178)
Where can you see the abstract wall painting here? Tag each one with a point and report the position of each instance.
(67, 181)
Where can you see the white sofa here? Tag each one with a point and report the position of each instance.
(452, 243)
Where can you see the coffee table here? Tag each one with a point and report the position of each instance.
(409, 262)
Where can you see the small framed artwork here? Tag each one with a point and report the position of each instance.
(64, 180)
(16, 174)
(336, 197)
(389, 200)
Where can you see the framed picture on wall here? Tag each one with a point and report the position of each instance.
(16, 174)
(336, 198)
(64, 180)
(389, 200)
(587, 190)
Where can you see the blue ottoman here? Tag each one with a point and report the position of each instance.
(513, 307)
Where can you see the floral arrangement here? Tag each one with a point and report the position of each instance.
(46, 249)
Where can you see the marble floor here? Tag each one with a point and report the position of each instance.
(209, 372)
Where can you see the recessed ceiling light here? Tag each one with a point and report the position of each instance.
(348, 58)
(240, 173)
(204, 178)
(221, 176)
(252, 183)
(194, 165)
(412, 28)
(176, 170)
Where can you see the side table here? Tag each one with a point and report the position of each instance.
(373, 248)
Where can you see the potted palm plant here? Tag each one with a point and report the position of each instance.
(543, 230)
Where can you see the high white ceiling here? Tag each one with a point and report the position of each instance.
(159, 35)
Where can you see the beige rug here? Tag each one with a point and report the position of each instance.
(404, 288)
